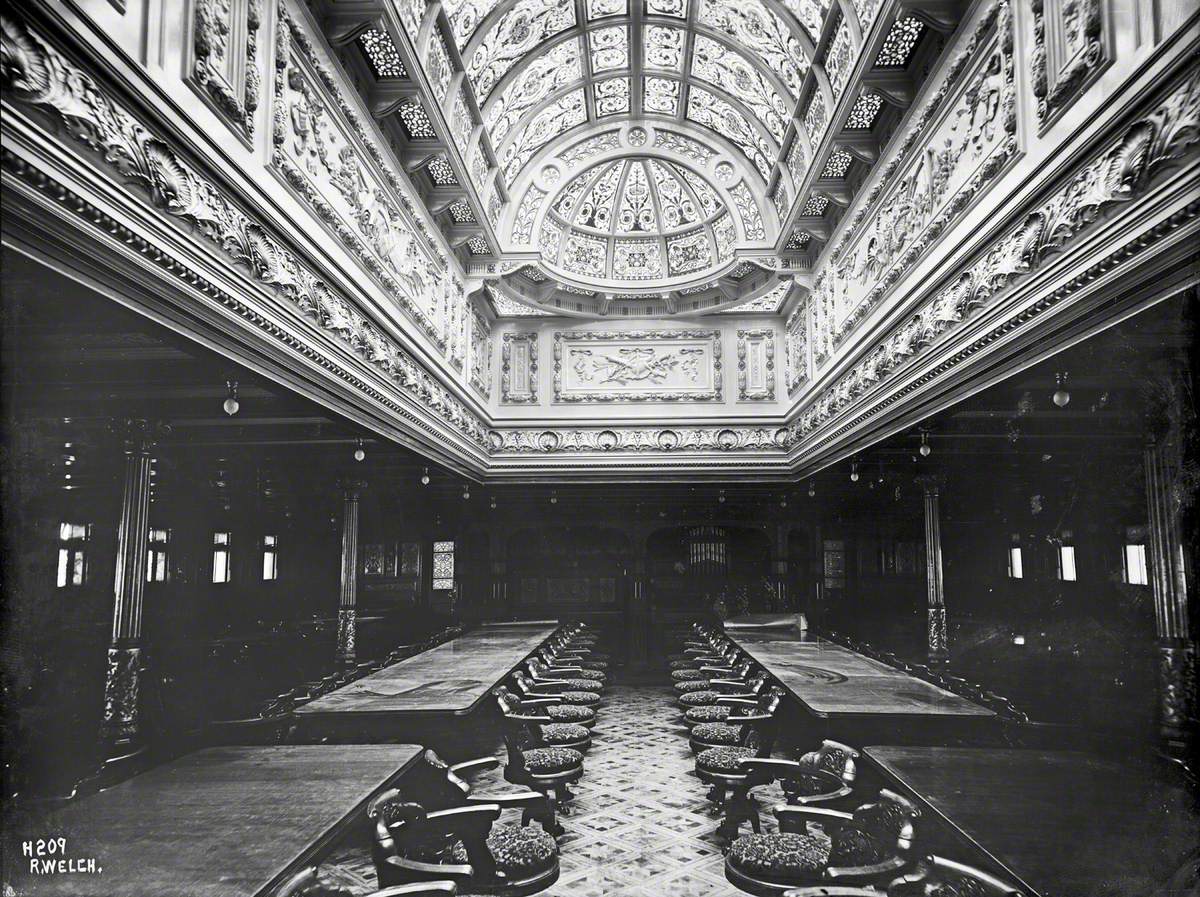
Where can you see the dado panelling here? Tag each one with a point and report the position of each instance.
(964, 135)
(638, 366)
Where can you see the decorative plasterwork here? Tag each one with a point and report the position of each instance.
(795, 342)
(756, 365)
(637, 366)
(220, 29)
(1068, 54)
(1116, 176)
(322, 152)
(481, 355)
(646, 440)
(519, 369)
(37, 75)
(962, 138)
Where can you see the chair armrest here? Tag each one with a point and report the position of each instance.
(736, 684)
(563, 671)
(727, 671)
(527, 718)
(800, 815)
(516, 800)
(776, 768)
(732, 701)
(539, 702)
(822, 891)
(470, 767)
(747, 718)
(421, 889)
(398, 867)
(892, 864)
(540, 682)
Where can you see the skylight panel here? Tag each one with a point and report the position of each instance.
(661, 95)
(599, 9)
(544, 75)
(730, 71)
(518, 32)
(838, 59)
(676, 8)
(810, 13)
(663, 48)
(563, 114)
(759, 29)
(815, 118)
(610, 48)
(714, 113)
(612, 96)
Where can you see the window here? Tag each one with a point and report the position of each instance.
(1136, 572)
(443, 565)
(156, 555)
(72, 553)
(1016, 569)
(221, 571)
(270, 555)
(1066, 563)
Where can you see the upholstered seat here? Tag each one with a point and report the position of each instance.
(708, 713)
(583, 698)
(564, 733)
(595, 675)
(723, 759)
(699, 698)
(781, 855)
(549, 760)
(686, 675)
(518, 850)
(692, 685)
(682, 664)
(717, 734)
(572, 684)
(570, 713)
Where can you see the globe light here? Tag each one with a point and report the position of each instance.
(1061, 397)
(812, 489)
(926, 450)
(359, 454)
(231, 403)
(425, 477)
(854, 473)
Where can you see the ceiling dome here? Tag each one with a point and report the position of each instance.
(625, 222)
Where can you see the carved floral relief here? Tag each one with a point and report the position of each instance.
(756, 365)
(225, 58)
(637, 366)
(519, 368)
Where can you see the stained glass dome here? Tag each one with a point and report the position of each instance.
(636, 220)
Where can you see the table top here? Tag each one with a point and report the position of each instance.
(451, 678)
(832, 681)
(222, 822)
(1062, 823)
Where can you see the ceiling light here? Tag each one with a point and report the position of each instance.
(812, 488)
(359, 454)
(721, 497)
(425, 477)
(466, 493)
(854, 472)
(1061, 396)
(554, 497)
(493, 502)
(925, 448)
(231, 403)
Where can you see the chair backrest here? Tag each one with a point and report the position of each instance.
(890, 820)
(509, 703)
(835, 758)
(524, 683)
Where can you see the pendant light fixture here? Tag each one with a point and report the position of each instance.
(231, 403)
(359, 453)
(1061, 396)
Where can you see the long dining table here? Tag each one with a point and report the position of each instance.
(426, 697)
(1058, 823)
(851, 695)
(220, 822)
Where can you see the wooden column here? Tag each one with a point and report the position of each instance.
(779, 568)
(939, 649)
(347, 606)
(120, 724)
(1169, 581)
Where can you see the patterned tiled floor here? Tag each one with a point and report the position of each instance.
(640, 825)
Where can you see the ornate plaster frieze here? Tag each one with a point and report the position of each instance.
(967, 134)
(38, 76)
(321, 151)
(641, 440)
(481, 355)
(233, 84)
(519, 368)
(795, 344)
(1119, 175)
(1068, 54)
(637, 366)
(756, 365)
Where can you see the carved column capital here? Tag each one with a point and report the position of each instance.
(352, 488)
(932, 483)
(138, 436)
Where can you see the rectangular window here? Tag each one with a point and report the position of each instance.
(270, 551)
(1066, 563)
(221, 571)
(156, 555)
(1016, 569)
(72, 553)
(443, 565)
(1136, 572)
